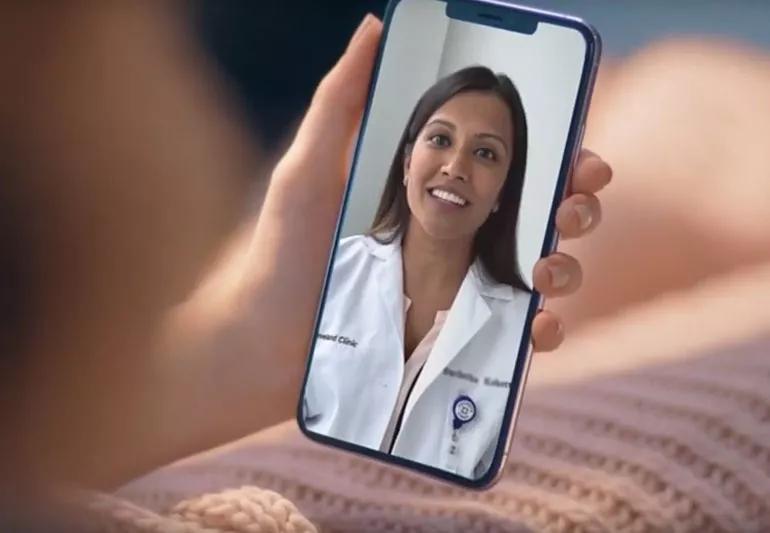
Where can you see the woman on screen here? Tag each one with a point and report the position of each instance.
(424, 314)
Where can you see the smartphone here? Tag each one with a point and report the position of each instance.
(422, 343)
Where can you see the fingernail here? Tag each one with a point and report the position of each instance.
(585, 216)
(559, 328)
(608, 172)
(559, 276)
(361, 29)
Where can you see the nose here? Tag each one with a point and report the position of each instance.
(457, 167)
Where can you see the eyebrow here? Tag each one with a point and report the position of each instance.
(478, 135)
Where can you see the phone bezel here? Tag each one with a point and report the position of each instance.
(550, 242)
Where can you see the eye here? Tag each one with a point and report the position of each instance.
(486, 153)
(439, 139)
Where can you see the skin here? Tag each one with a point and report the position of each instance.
(465, 148)
(213, 331)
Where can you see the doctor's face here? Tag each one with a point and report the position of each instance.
(458, 165)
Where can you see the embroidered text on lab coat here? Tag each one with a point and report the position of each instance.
(339, 339)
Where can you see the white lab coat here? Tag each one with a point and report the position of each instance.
(358, 362)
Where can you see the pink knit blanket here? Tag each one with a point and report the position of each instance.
(656, 420)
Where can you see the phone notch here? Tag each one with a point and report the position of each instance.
(494, 15)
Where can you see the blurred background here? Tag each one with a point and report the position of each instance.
(312, 35)
(678, 111)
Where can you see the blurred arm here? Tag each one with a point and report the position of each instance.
(127, 170)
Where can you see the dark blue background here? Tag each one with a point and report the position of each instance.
(276, 51)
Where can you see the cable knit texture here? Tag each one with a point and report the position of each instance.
(244, 510)
(619, 432)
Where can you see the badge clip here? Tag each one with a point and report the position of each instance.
(464, 410)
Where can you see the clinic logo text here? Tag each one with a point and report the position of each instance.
(339, 339)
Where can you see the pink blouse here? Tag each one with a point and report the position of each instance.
(411, 371)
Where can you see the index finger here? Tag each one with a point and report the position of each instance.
(591, 173)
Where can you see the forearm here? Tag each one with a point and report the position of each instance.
(223, 378)
(230, 361)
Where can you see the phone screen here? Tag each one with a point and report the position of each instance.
(423, 333)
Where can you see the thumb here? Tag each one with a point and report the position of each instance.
(291, 243)
(303, 198)
(327, 130)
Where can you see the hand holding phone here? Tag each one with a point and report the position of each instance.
(474, 121)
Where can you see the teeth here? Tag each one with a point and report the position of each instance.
(449, 197)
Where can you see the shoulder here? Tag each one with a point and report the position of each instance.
(365, 248)
(356, 264)
(355, 253)
(352, 248)
(352, 242)
(502, 297)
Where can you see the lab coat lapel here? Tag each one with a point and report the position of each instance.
(390, 285)
(468, 314)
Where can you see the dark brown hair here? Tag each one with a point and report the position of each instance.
(495, 241)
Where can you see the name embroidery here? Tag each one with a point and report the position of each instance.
(460, 375)
(339, 339)
(489, 382)
(494, 382)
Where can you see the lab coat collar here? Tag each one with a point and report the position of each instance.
(390, 282)
(383, 250)
(485, 285)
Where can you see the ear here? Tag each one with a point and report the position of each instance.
(407, 158)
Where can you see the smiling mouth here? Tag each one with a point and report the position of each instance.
(448, 197)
